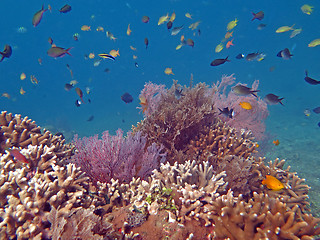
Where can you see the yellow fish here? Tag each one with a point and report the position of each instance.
(188, 15)
(99, 29)
(272, 183)
(73, 82)
(86, 28)
(231, 25)
(179, 46)
(168, 71)
(129, 30)
(173, 17)
(193, 26)
(218, 48)
(133, 48)
(114, 53)
(163, 19)
(295, 32)
(307, 9)
(245, 105)
(134, 56)
(6, 95)
(23, 76)
(22, 92)
(314, 43)
(91, 55)
(284, 29)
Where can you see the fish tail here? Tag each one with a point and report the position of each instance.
(67, 51)
(254, 16)
(227, 59)
(280, 99)
(2, 56)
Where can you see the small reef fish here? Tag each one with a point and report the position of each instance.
(144, 103)
(133, 48)
(255, 56)
(219, 61)
(107, 56)
(6, 95)
(77, 103)
(145, 19)
(273, 99)
(22, 30)
(316, 110)
(96, 62)
(176, 30)
(314, 43)
(73, 82)
(285, 54)
(23, 76)
(193, 26)
(38, 16)
(245, 105)
(276, 142)
(307, 9)
(22, 92)
(91, 55)
(68, 86)
(18, 155)
(178, 93)
(219, 48)
(6, 53)
(163, 19)
(188, 15)
(90, 118)
(284, 29)
(227, 112)
(311, 80)
(272, 183)
(99, 29)
(242, 90)
(80, 93)
(86, 28)
(114, 53)
(76, 36)
(307, 112)
(228, 35)
(169, 25)
(261, 26)
(66, 8)
(127, 98)
(259, 15)
(58, 52)
(295, 32)
(34, 80)
(173, 17)
(231, 25)
(146, 42)
(190, 42)
(229, 44)
(168, 71)
(129, 30)
(240, 56)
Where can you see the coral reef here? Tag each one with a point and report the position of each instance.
(182, 173)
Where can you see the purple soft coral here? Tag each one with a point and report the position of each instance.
(117, 157)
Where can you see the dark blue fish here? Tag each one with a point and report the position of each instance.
(240, 56)
(66, 8)
(311, 80)
(228, 113)
(316, 110)
(127, 98)
(6, 53)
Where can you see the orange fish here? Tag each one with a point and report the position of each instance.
(18, 155)
(245, 105)
(229, 44)
(228, 35)
(114, 53)
(86, 28)
(23, 76)
(22, 92)
(143, 103)
(272, 183)
(168, 71)
(129, 30)
(6, 95)
(276, 142)
(80, 94)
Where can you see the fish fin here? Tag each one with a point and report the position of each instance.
(306, 71)
(227, 59)
(254, 94)
(2, 56)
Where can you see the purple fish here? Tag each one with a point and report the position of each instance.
(58, 52)
(38, 16)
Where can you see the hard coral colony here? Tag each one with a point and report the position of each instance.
(182, 173)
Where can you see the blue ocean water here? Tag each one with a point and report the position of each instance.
(53, 107)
